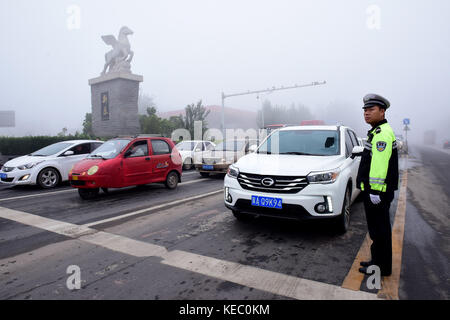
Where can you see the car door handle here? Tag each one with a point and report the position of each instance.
(148, 158)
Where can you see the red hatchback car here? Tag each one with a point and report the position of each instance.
(124, 162)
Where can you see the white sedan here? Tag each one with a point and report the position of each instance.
(192, 151)
(48, 166)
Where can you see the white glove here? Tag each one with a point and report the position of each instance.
(375, 199)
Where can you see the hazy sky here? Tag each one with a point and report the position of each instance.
(191, 50)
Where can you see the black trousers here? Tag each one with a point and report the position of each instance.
(379, 225)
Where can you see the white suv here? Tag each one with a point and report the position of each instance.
(301, 172)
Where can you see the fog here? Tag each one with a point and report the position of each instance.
(192, 50)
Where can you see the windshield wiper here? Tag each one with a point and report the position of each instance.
(37, 155)
(301, 153)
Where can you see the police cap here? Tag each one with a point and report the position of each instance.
(372, 99)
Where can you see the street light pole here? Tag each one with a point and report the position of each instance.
(224, 96)
(223, 116)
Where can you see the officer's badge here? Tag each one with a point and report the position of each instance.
(381, 145)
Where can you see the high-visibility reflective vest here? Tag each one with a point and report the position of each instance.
(378, 170)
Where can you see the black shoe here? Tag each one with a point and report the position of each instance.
(366, 263)
(364, 270)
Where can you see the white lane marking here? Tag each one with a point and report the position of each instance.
(73, 189)
(124, 245)
(100, 238)
(36, 195)
(265, 280)
(161, 206)
(191, 181)
(253, 277)
(189, 173)
(59, 227)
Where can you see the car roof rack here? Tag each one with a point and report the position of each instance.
(149, 135)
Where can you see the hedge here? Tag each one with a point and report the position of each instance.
(19, 146)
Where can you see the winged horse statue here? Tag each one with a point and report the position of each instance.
(119, 58)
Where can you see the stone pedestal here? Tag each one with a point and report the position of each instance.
(114, 99)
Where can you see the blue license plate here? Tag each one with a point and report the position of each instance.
(267, 202)
(3, 176)
(207, 167)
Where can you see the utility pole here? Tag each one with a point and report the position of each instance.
(224, 96)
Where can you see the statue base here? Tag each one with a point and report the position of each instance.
(114, 98)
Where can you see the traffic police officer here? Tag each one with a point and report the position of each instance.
(378, 179)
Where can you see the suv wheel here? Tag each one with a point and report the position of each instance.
(343, 220)
(172, 180)
(88, 193)
(48, 178)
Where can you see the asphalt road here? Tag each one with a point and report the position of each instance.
(426, 252)
(191, 247)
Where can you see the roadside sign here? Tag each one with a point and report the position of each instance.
(406, 121)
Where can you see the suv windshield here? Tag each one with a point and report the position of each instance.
(110, 149)
(186, 146)
(302, 142)
(51, 149)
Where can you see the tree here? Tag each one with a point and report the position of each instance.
(144, 102)
(195, 113)
(87, 125)
(63, 132)
(150, 123)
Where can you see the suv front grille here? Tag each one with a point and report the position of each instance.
(283, 184)
(7, 169)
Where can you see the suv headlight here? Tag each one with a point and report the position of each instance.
(233, 172)
(323, 177)
(29, 165)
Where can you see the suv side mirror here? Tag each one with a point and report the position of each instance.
(252, 148)
(68, 153)
(198, 150)
(357, 151)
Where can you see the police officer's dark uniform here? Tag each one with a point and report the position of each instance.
(378, 176)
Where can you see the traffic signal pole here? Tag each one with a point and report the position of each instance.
(224, 96)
